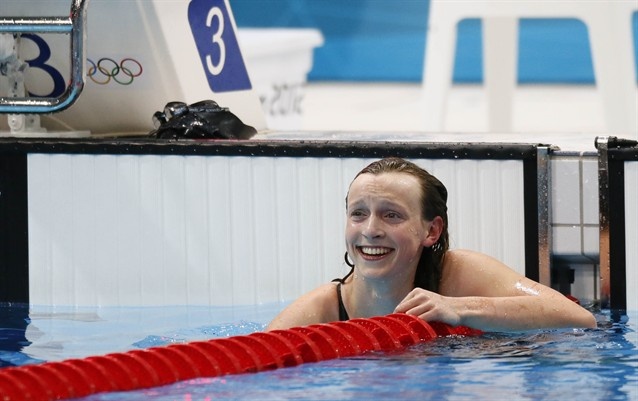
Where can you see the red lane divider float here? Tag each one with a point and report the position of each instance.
(255, 352)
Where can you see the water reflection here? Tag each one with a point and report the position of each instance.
(14, 319)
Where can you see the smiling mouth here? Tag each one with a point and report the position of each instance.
(374, 251)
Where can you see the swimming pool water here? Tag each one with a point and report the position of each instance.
(599, 364)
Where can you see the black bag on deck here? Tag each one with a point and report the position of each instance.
(201, 120)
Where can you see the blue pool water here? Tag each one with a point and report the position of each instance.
(600, 364)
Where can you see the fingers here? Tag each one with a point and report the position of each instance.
(416, 302)
(428, 306)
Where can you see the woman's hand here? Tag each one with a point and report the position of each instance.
(430, 307)
(497, 313)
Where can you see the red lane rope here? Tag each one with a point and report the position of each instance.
(254, 352)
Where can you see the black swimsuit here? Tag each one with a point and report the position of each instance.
(343, 314)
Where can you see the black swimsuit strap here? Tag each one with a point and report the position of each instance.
(343, 314)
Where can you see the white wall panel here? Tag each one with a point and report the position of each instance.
(265, 218)
(218, 220)
(286, 226)
(162, 230)
(152, 240)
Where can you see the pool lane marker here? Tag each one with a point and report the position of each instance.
(256, 352)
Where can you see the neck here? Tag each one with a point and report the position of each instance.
(365, 297)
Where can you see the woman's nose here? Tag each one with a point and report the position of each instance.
(372, 228)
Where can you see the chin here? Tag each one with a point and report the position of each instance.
(368, 271)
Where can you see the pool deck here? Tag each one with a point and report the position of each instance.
(571, 115)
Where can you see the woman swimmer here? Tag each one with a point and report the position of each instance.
(397, 239)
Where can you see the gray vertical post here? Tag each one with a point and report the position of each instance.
(544, 215)
(602, 143)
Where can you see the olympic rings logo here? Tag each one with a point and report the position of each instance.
(107, 69)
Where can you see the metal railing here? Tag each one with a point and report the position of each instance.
(75, 25)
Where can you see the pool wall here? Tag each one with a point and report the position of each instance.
(130, 223)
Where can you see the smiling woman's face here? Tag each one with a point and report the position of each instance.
(385, 229)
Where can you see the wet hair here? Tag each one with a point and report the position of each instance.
(433, 204)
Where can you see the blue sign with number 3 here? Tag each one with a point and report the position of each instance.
(217, 46)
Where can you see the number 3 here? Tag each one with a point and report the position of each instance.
(216, 12)
(212, 26)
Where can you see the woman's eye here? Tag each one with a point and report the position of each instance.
(357, 214)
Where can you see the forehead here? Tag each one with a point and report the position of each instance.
(394, 186)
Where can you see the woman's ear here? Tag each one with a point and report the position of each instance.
(434, 232)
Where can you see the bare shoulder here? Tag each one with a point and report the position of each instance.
(463, 259)
(467, 255)
(317, 306)
(468, 273)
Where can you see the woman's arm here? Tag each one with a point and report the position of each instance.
(480, 292)
(317, 306)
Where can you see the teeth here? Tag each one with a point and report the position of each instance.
(374, 251)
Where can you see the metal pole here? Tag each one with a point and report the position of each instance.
(74, 24)
(544, 217)
(602, 144)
